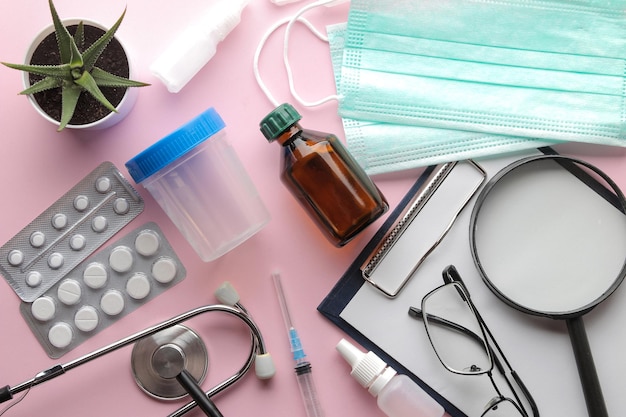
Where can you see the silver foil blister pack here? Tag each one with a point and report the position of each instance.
(68, 231)
(104, 288)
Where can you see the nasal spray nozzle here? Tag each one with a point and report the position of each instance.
(197, 44)
(397, 395)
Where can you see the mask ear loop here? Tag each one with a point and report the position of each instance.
(290, 22)
(319, 35)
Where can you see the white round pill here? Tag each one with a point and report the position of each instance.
(15, 257)
(81, 202)
(69, 292)
(55, 260)
(77, 242)
(112, 302)
(147, 243)
(86, 318)
(33, 279)
(37, 239)
(95, 275)
(60, 335)
(164, 270)
(121, 259)
(99, 224)
(103, 184)
(121, 206)
(59, 221)
(138, 286)
(43, 308)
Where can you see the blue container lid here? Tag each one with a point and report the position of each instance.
(175, 145)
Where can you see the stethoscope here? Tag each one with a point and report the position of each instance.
(169, 359)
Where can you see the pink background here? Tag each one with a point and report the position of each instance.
(38, 165)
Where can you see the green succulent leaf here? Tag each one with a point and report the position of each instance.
(91, 55)
(78, 72)
(56, 71)
(69, 99)
(64, 39)
(79, 35)
(47, 83)
(106, 79)
(89, 84)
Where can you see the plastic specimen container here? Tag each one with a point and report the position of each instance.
(196, 177)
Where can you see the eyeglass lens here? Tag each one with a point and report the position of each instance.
(462, 348)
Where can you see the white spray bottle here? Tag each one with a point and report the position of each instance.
(397, 395)
(196, 45)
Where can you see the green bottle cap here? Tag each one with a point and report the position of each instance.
(275, 123)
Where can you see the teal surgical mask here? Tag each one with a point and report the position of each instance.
(386, 147)
(424, 82)
(544, 69)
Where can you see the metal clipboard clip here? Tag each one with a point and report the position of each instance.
(412, 209)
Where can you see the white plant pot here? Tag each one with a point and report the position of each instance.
(123, 108)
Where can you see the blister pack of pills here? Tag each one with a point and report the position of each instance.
(68, 231)
(104, 288)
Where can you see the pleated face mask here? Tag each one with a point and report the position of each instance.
(386, 147)
(542, 69)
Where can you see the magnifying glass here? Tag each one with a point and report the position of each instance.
(548, 236)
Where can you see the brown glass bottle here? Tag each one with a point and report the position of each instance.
(323, 176)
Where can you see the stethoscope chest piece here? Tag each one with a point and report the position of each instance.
(157, 359)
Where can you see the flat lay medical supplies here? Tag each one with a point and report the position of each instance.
(397, 395)
(68, 231)
(166, 338)
(196, 44)
(197, 178)
(316, 168)
(540, 349)
(104, 288)
(548, 246)
(414, 90)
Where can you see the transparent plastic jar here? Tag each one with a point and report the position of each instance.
(196, 177)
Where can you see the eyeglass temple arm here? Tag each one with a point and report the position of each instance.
(418, 314)
(451, 274)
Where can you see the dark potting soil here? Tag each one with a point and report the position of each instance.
(88, 109)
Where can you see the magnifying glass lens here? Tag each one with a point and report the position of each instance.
(548, 237)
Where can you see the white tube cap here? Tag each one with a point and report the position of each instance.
(367, 368)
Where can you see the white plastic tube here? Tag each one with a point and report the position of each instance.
(196, 45)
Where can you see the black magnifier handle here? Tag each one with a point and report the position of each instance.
(586, 368)
(195, 391)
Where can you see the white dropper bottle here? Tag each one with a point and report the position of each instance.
(397, 395)
(196, 44)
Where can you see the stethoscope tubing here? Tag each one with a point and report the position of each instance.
(257, 345)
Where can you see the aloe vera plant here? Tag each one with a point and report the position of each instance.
(77, 71)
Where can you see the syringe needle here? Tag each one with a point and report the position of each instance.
(303, 367)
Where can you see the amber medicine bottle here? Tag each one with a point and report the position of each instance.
(323, 176)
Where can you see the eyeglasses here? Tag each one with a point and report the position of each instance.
(465, 346)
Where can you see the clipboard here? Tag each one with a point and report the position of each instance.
(538, 349)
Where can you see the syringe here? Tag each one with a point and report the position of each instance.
(303, 367)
